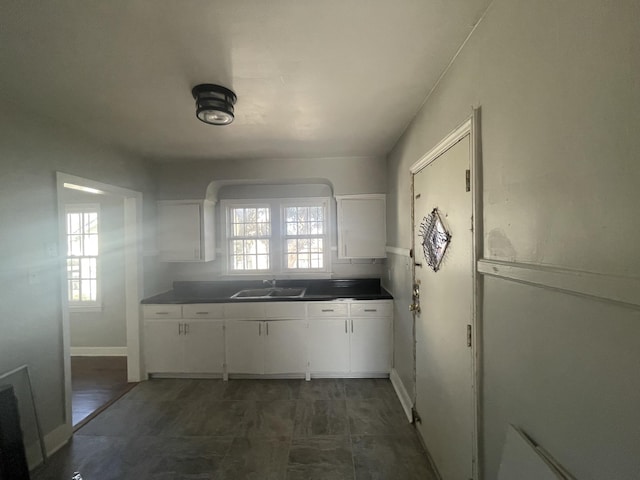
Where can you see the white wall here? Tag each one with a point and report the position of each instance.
(189, 180)
(31, 151)
(558, 86)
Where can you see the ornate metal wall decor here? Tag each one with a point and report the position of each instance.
(435, 239)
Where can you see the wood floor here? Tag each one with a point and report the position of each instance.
(247, 429)
(96, 382)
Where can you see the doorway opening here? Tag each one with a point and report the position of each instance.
(102, 373)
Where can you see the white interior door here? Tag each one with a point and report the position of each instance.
(444, 394)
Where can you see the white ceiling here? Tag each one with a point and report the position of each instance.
(314, 78)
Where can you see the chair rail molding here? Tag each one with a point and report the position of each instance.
(612, 288)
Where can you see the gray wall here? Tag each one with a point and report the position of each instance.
(106, 328)
(559, 91)
(194, 180)
(31, 151)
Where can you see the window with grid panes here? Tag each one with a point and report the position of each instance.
(250, 236)
(304, 230)
(82, 223)
(277, 235)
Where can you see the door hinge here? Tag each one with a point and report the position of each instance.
(467, 175)
(468, 335)
(415, 417)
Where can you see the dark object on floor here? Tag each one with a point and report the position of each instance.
(13, 461)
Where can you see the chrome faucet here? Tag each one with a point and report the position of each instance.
(271, 282)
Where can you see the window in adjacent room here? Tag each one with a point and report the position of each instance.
(83, 255)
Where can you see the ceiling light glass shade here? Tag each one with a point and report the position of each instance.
(214, 104)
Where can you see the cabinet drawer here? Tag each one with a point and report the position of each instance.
(203, 310)
(322, 309)
(244, 310)
(162, 311)
(293, 310)
(370, 309)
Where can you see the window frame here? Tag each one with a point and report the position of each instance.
(84, 305)
(278, 239)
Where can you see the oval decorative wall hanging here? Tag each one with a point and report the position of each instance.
(435, 239)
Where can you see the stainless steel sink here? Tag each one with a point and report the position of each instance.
(270, 293)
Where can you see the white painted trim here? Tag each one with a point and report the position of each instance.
(403, 396)
(449, 141)
(53, 441)
(624, 290)
(362, 196)
(404, 252)
(133, 277)
(98, 351)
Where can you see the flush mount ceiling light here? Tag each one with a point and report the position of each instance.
(214, 104)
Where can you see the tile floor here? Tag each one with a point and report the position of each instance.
(247, 429)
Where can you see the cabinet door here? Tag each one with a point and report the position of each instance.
(203, 346)
(245, 346)
(371, 345)
(179, 235)
(361, 227)
(285, 346)
(163, 346)
(328, 345)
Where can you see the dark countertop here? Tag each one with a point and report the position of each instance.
(317, 290)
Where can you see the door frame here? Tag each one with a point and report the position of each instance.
(133, 234)
(471, 127)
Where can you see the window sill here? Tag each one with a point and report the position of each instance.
(85, 308)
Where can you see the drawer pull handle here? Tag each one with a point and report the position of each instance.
(370, 309)
(201, 313)
(345, 327)
(327, 309)
(162, 313)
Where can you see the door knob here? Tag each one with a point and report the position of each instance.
(414, 307)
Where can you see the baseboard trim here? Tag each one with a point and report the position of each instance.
(403, 395)
(53, 441)
(405, 252)
(98, 351)
(623, 290)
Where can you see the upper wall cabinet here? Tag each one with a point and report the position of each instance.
(362, 231)
(186, 231)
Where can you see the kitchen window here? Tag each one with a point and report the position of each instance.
(82, 222)
(277, 236)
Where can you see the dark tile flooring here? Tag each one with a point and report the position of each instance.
(96, 382)
(247, 429)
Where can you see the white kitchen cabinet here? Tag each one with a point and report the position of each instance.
(370, 345)
(328, 346)
(163, 346)
(185, 230)
(362, 230)
(370, 328)
(182, 345)
(203, 346)
(285, 346)
(266, 347)
(245, 347)
(320, 339)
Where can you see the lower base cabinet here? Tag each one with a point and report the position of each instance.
(318, 339)
(184, 346)
(266, 347)
(329, 350)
